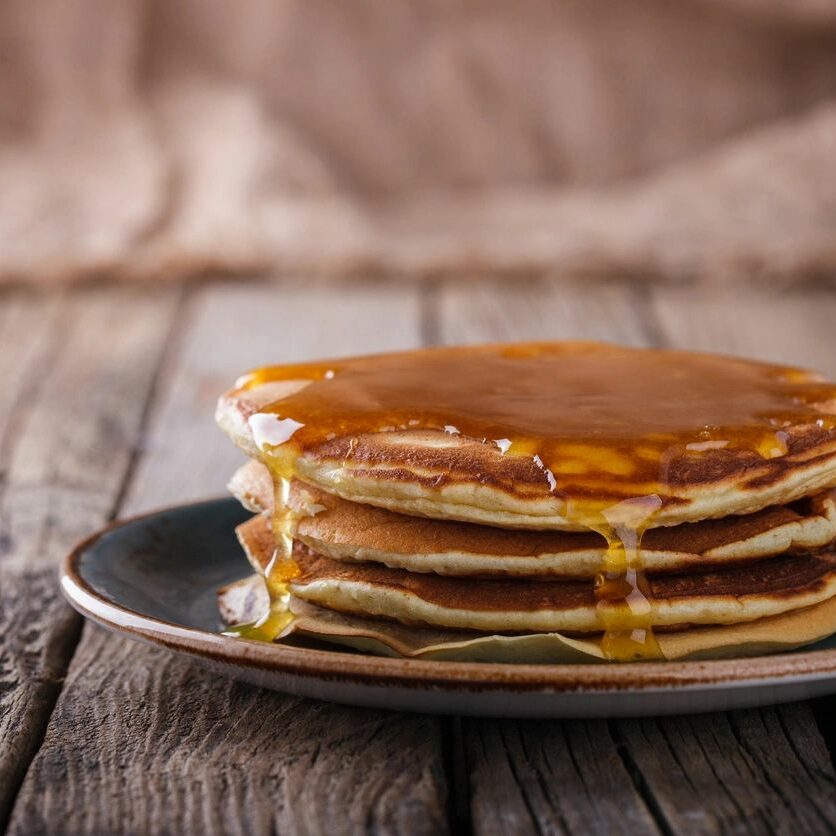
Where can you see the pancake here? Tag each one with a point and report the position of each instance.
(347, 531)
(245, 600)
(731, 595)
(543, 436)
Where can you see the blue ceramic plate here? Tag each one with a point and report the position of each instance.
(155, 579)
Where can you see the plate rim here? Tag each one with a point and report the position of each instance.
(369, 670)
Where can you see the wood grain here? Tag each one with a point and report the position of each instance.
(144, 741)
(550, 777)
(796, 326)
(758, 771)
(30, 669)
(534, 310)
(72, 403)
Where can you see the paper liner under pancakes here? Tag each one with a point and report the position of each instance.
(245, 599)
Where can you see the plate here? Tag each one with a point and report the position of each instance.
(154, 579)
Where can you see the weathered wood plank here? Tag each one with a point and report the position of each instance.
(751, 771)
(552, 777)
(534, 310)
(796, 326)
(26, 322)
(233, 328)
(72, 401)
(759, 771)
(146, 741)
(142, 742)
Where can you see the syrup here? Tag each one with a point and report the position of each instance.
(610, 429)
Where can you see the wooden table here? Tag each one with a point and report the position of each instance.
(106, 399)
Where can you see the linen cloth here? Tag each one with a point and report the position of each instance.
(681, 139)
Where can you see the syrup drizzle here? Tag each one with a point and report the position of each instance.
(608, 427)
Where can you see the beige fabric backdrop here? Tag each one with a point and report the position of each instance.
(674, 138)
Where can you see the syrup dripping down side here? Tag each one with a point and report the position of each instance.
(282, 568)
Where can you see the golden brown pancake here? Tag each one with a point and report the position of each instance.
(245, 601)
(536, 435)
(736, 594)
(349, 531)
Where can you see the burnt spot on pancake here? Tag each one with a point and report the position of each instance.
(784, 465)
(415, 453)
(777, 577)
(418, 457)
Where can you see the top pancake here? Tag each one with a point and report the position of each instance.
(544, 436)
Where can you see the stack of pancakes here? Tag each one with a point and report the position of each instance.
(645, 503)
